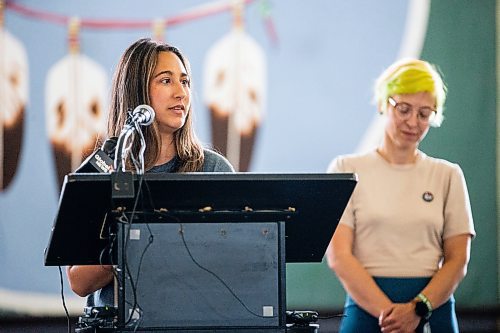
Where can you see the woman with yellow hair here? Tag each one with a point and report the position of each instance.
(403, 243)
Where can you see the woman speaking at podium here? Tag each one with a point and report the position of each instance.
(158, 75)
(402, 245)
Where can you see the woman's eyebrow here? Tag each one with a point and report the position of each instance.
(164, 72)
(168, 72)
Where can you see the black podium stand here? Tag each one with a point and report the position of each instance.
(198, 252)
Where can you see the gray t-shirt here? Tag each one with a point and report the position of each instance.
(214, 162)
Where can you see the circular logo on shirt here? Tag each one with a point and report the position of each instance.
(427, 196)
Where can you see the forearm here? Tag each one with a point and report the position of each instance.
(444, 283)
(448, 277)
(87, 279)
(353, 276)
(361, 286)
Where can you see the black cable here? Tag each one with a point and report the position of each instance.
(341, 315)
(133, 286)
(151, 239)
(135, 304)
(218, 278)
(112, 239)
(127, 268)
(63, 300)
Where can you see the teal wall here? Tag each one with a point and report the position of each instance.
(461, 41)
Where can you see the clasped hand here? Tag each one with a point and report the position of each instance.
(399, 318)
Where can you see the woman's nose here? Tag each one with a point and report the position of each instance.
(413, 119)
(179, 91)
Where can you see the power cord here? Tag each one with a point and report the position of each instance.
(63, 299)
(181, 231)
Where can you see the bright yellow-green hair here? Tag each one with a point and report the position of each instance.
(409, 76)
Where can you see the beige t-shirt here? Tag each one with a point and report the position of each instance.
(402, 213)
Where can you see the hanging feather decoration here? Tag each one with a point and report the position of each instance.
(75, 98)
(13, 101)
(234, 91)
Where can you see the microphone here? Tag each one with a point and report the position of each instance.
(100, 161)
(143, 115)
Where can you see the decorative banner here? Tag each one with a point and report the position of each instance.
(13, 100)
(240, 119)
(234, 91)
(158, 29)
(75, 106)
(74, 102)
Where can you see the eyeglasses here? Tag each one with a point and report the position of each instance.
(425, 114)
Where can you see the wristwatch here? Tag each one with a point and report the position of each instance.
(423, 307)
(422, 310)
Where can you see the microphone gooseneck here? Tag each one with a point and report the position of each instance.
(142, 115)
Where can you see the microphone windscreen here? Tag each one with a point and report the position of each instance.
(144, 114)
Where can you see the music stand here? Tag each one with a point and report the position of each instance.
(307, 206)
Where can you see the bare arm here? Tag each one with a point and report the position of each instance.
(353, 276)
(446, 280)
(84, 280)
(438, 290)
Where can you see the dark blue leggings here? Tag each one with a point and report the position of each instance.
(399, 290)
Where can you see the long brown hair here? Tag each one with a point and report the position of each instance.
(130, 88)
